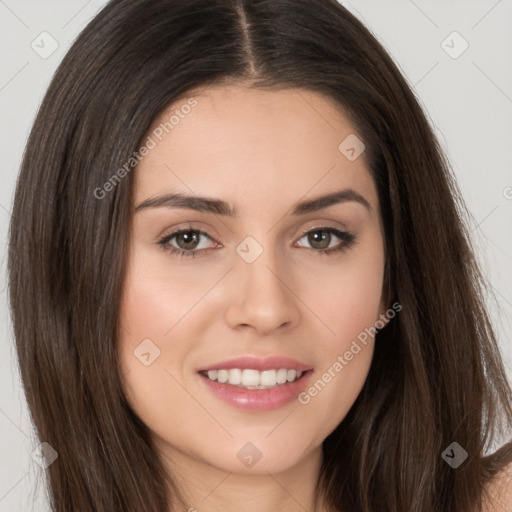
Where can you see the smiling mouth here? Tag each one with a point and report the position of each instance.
(253, 379)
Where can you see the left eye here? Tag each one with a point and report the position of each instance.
(323, 241)
(187, 241)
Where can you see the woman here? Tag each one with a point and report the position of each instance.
(240, 274)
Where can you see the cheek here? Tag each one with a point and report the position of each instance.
(152, 314)
(347, 296)
(342, 367)
(331, 394)
(158, 298)
(152, 354)
(349, 304)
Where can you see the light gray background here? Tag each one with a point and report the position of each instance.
(468, 99)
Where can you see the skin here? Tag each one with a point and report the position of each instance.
(262, 152)
(499, 497)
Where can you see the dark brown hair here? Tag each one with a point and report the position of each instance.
(436, 375)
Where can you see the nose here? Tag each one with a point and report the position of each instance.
(261, 296)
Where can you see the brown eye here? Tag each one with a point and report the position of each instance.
(187, 240)
(320, 239)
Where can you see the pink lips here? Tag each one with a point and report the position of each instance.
(257, 399)
(257, 363)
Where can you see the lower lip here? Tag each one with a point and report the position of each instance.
(258, 399)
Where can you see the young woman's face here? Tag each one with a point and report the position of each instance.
(259, 286)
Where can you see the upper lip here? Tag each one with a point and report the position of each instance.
(258, 363)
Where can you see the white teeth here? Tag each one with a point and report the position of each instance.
(268, 378)
(222, 376)
(253, 379)
(235, 376)
(250, 377)
(282, 375)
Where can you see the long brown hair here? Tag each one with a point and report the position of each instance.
(436, 376)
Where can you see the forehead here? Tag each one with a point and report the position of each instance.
(251, 147)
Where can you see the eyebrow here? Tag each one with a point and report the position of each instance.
(220, 207)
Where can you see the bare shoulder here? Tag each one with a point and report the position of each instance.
(500, 492)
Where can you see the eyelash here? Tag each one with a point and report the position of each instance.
(348, 237)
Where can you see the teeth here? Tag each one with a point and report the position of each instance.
(235, 376)
(253, 379)
(282, 375)
(268, 378)
(222, 376)
(249, 377)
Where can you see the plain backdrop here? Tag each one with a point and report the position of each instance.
(467, 93)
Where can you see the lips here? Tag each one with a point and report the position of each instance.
(257, 398)
(258, 363)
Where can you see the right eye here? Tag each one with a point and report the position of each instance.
(188, 238)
